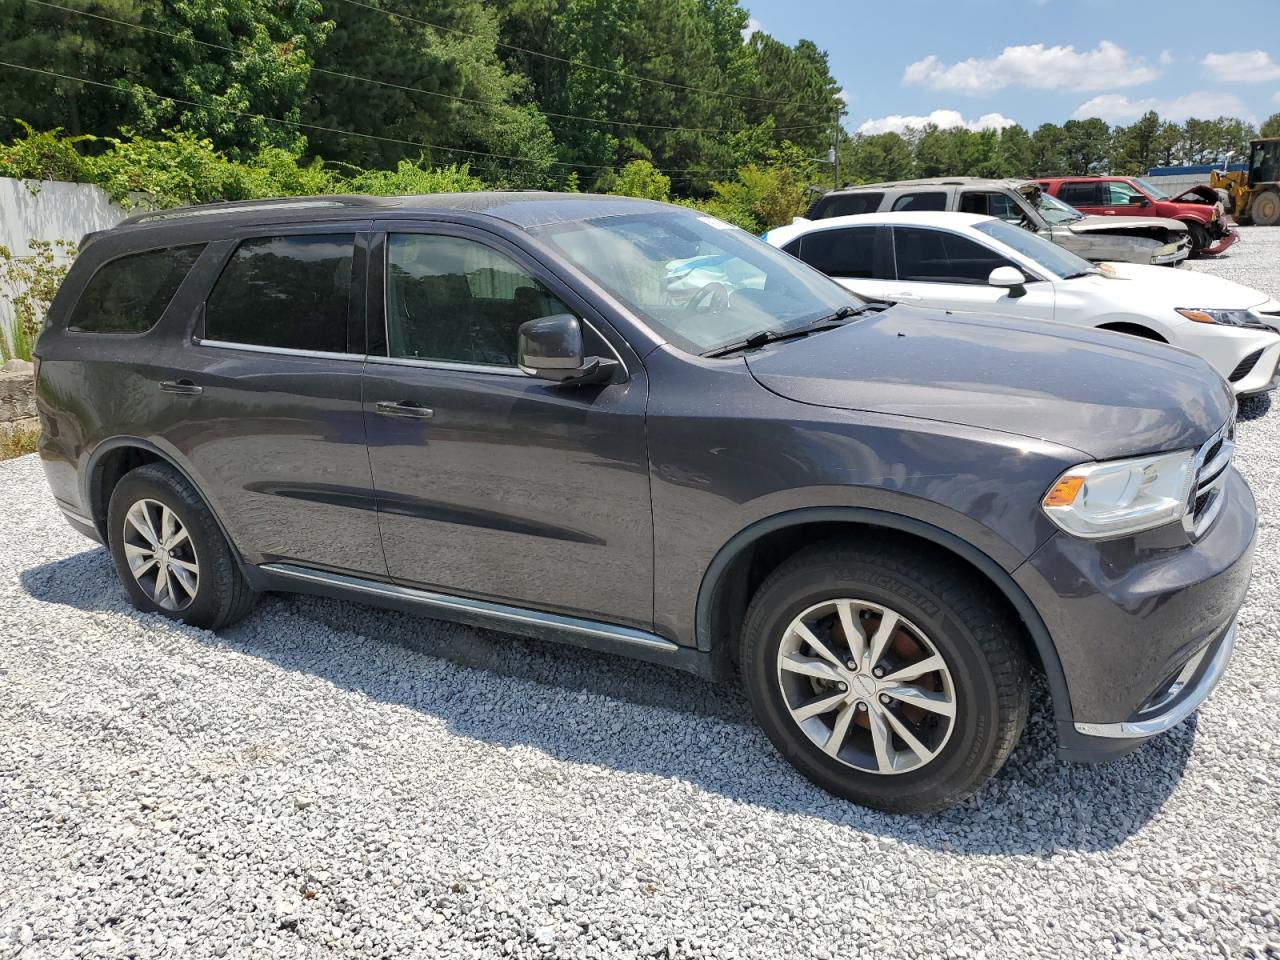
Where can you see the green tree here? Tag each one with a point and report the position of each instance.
(878, 157)
(1046, 151)
(1133, 148)
(1271, 128)
(1015, 153)
(1086, 144)
(639, 178)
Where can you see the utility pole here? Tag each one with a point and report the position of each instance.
(835, 150)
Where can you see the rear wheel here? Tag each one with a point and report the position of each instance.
(170, 553)
(888, 680)
(1265, 209)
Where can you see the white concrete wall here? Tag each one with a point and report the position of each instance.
(46, 210)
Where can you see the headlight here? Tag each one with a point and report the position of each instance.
(1231, 318)
(1096, 500)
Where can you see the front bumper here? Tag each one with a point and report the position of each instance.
(1221, 244)
(1182, 250)
(1127, 616)
(1246, 357)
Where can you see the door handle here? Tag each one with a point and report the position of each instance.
(183, 388)
(405, 408)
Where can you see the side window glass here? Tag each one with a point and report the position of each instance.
(931, 200)
(1121, 195)
(935, 256)
(457, 300)
(841, 253)
(1081, 194)
(990, 205)
(852, 204)
(292, 292)
(129, 294)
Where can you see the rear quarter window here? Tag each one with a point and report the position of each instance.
(847, 205)
(925, 200)
(130, 294)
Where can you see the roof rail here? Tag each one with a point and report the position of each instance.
(248, 206)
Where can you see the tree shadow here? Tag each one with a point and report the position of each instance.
(1042, 805)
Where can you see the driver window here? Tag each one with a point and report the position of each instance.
(997, 205)
(935, 256)
(1121, 195)
(457, 300)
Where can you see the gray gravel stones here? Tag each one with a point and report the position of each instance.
(327, 779)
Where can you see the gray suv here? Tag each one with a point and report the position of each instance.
(630, 427)
(1154, 240)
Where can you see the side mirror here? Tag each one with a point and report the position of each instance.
(1011, 278)
(551, 349)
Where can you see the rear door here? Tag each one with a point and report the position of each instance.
(492, 484)
(271, 389)
(859, 258)
(937, 268)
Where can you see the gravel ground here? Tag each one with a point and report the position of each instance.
(326, 779)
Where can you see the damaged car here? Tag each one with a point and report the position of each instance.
(1147, 239)
(1200, 207)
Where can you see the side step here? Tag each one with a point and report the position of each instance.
(575, 631)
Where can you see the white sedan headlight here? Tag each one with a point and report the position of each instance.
(1096, 500)
(1229, 318)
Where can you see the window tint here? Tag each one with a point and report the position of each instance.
(1082, 194)
(291, 292)
(128, 295)
(933, 200)
(850, 252)
(458, 300)
(935, 256)
(848, 205)
(997, 205)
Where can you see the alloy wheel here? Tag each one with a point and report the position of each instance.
(867, 686)
(160, 554)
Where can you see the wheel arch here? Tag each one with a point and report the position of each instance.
(112, 459)
(723, 589)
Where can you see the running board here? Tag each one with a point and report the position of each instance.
(590, 634)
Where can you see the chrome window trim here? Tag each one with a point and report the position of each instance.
(278, 351)
(448, 365)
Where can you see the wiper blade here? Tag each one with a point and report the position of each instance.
(762, 337)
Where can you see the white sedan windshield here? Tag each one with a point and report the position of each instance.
(698, 281)
(1060, 262)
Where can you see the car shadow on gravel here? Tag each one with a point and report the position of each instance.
(1035, 805)
(1251, 408)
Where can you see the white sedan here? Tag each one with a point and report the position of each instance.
(959, 261)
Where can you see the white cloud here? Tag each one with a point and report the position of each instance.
(1117, 108)
(1250, 66)
(753, 25)
(944, 119)
(1166, 57)
(1036, 66)
(1276, 96)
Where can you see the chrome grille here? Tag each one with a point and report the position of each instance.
(1213, 460)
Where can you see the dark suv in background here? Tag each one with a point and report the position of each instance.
(632, 427)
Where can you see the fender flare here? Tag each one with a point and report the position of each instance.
(997, 575)
(94, 462)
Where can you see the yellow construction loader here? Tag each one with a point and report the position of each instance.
(1253, 195)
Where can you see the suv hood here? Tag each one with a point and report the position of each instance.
(1105, 394)
(1126, 224)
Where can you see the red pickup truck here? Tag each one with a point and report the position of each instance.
(1200, 207)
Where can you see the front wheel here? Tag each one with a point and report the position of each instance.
(1200, 239)
(1265, 210)
(884, 678)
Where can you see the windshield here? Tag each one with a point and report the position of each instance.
(1155, 193)
(1056, 260)
(698, 281)
(1055, 211)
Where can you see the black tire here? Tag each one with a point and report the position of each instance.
(978, 639)
(1200, 239)
(222, 594)
(1265, 209)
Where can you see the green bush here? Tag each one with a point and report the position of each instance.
(640, 178)
(408, 179)
(46, 155)
(28, 284)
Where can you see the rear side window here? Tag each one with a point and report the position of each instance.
(998, 205)
(850, 252)
(292, 292)
(1082, 194)
(930, 200)
(129, 294)
(848, 205)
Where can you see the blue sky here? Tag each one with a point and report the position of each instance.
(989, 62)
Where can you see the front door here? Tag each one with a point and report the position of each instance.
(492, 484)
(940, 269)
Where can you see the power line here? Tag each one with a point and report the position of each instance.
(580, 63)
(396, 86)
(351, 133)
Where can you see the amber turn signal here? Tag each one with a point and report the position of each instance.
(1064, 492)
